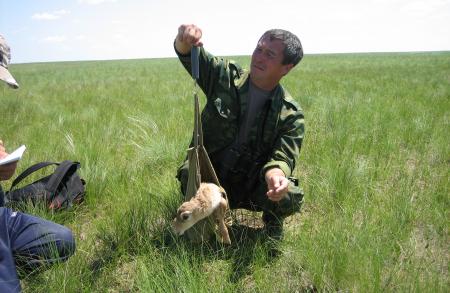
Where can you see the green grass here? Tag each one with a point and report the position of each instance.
(374, 166)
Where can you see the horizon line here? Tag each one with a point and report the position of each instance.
(237, 55)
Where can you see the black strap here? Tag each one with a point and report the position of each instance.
(30, 171)
(61, 171)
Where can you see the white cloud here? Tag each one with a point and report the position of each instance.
(80, 37)
(94, 2)
(424, 8)
(45, 16)
(50, 15)
(55, 39)
(61, 12)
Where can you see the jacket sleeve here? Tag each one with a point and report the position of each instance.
(288, 143)
(212, 70)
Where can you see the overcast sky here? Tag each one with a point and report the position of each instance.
(56, 30)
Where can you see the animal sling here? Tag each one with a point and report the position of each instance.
(200, 167)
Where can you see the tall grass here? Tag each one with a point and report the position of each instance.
(374, 165)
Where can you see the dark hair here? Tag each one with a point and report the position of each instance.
(293, 51)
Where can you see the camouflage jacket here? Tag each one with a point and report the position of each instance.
(277, 136)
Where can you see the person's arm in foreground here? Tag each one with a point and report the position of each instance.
(6, 171)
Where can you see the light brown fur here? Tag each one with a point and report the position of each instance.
(210, 199)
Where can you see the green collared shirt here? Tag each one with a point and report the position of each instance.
(279, 128)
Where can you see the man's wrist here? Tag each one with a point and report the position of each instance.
(274, 172)
(277, 164)
(181, 48)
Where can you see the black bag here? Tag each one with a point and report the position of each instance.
(58, 190)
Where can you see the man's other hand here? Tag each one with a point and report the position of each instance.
(277, 184)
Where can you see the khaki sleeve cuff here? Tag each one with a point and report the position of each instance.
(277, 164)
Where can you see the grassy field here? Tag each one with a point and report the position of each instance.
(374, 166)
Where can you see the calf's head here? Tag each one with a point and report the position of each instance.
(185, 218)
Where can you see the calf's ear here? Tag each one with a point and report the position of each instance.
(223, 192)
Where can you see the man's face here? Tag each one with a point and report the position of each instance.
(266, 65)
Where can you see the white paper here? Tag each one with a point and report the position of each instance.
(14, 156)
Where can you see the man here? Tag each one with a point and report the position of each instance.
(25, 241)
(253, 129)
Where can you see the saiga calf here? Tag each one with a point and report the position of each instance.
(209, 199)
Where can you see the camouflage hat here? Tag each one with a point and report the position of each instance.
(5, 58)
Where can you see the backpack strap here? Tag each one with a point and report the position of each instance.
(30, 171)
(60, 172)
